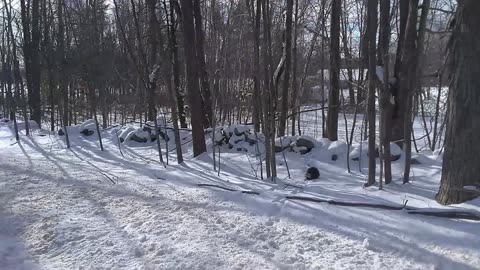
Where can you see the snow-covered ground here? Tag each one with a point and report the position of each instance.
(59, 209)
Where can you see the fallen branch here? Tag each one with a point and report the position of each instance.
(410, 210)
(352, 204)
(446, 214)
(108, 177)
(229, 189)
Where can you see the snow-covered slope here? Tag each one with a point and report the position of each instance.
(60, 209)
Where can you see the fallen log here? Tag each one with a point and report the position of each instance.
(410, 210)
(229, 189)
(456, 214)
(352, 204)
(446, 214)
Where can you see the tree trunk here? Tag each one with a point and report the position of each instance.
(194, 97)
(61, 69)
(385, 105)
(286, 74)
(460, 164)
(334, 90)
(256, 67)
(294, 68)
(371, 37)
(35, 100)
(398, 112)
(176, 68)
(202, 67)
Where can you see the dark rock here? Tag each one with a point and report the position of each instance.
(138, 138)
(87, 132)
(279, 149)
(60, 132)
(312, 173)
(250, 141)
(415, 161)
(305, 151)
(238, 133)
(239, 149)
(237, 141)
(334, 157)
(230, 146)
(164, 136)
(301, 142)
(147, 129)
(235, 130)
(225, 134)
(395, 157)
(356, 158)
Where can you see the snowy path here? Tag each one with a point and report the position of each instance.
(58, 210)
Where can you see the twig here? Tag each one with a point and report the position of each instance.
(108, 177)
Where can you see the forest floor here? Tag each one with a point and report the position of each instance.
(86, 209)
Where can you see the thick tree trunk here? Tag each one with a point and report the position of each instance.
(385, 105)
(202, 67)
(412, 73)
(371, 37)
(286, 74)
(176, 68)
(61, 69)
(294, 68)
(194, 97)
(460, 164)
(398, 112)
(334, 90)
(256, 66)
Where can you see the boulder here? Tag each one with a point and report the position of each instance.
(395, 157)
(279, 149)
(139, 139)
(162, 135)
(60, 132)
(304, 142)
(305, 151)
(147, 129)
(87, 132)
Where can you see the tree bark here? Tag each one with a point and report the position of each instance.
(385, 105)
(398, 112)
(256, 66)
(61, 68)
(334, 90)
(202, 67)
(194, 97)
(460, 164)
(371, 37)
(176, 67)
(286, 74)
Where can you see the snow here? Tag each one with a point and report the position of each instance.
(88, 124)
(60, 210)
